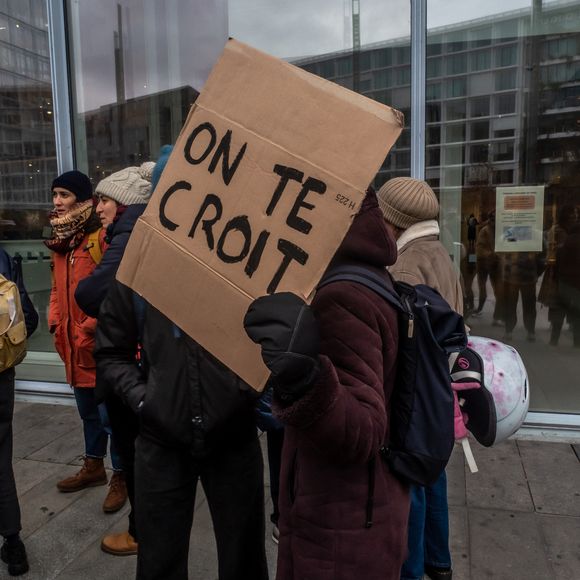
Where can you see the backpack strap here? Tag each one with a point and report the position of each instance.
(94, 246)
(364, 277)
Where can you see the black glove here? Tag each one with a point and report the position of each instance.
(285, 327)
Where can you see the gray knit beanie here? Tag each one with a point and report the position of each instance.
(128, 186)
(405, 201)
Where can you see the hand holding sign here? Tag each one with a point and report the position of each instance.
(286, 329)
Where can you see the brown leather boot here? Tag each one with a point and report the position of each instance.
(117, 495)
(91, 474)
(119, 544)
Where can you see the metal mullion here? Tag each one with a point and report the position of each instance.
(61, 90)
(418, 79)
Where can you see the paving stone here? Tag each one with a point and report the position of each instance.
(44, 502)
(66, 536)
(30, 473)
(459, 541)
(501, 481)
(562, 536)
(94, 563)
(506, 546)
(67, 448)
(41, 434)
(543, 465)
(27, 415)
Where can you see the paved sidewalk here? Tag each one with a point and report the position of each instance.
(517, 519)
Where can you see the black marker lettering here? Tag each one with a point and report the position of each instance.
(293, 219)
(213, 137)
(223, 151)
(291, 252)
(239, 224)
(256, 254)
(165, 221)
(285, 173)
(210, 200)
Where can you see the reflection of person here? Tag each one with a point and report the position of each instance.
(549, 294)
(411, 208)
(568, 274)
(472, 224)
(122, 199)
(13, 551)
(196, 424)
(75, 232)
(342, 513)
(488, 267)
(519, 276)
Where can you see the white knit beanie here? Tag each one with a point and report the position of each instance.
(128, 186)
(405, 201)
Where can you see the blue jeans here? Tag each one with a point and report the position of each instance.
(428, 530)
(96, 427)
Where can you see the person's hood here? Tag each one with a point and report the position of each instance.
(368, 241)
(126, 221)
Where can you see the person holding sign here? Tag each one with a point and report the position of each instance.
(196, 423)
(342, 513)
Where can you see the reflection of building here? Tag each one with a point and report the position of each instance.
(27, 148)
(136, 127)
(491, 118)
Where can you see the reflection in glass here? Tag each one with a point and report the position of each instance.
(27, 147)
(522, 87)
(362, 46)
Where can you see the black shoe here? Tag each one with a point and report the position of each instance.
(15, 556)
(438, 573)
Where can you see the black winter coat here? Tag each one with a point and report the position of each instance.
(189, 398)
(91, 291)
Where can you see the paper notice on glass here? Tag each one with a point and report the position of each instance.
(519, 219)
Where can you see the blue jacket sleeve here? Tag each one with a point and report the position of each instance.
(92, 291)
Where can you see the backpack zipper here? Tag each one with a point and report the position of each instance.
(411, 321)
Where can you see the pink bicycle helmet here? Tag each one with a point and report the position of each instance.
(494, 394)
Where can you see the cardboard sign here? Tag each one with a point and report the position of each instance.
(262, 185)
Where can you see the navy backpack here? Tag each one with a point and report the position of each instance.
(421, 431)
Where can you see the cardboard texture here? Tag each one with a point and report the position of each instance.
(265, 178)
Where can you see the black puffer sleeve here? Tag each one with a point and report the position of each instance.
(116, 345)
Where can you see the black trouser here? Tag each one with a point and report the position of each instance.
(9, 508)
(165, 484)
(511, 294)
(483, 273)
(125, 428)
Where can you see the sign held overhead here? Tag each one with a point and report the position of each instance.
(261, 187)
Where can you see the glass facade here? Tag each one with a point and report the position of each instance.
(501, 140)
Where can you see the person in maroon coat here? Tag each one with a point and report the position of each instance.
(343, 515)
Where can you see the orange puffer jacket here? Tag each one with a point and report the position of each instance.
(73, 330)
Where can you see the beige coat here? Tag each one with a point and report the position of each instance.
(424, 260)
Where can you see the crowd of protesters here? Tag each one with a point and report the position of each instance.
(170, 414)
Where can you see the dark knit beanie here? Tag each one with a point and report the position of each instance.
(75, 182)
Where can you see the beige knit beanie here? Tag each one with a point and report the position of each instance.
(128, 186)
(405, 201)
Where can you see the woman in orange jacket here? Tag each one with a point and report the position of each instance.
(77, 245)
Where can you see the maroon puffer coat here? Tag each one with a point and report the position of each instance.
(330, 461)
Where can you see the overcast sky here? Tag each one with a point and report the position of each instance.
(171, 43)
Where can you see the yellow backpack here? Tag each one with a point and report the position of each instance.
(94, 246)
(12, 326)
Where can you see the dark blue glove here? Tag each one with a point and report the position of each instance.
(285, 327)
